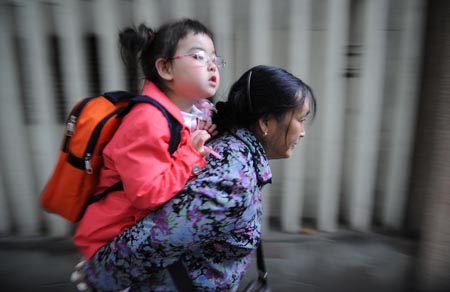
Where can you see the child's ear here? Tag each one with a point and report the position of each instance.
(164, 69)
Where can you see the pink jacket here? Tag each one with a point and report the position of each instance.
(138, 155)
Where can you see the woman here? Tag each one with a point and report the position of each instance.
(214, 224)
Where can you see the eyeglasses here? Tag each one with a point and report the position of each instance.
(204, 59)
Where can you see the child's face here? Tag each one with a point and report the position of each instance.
(193, 76)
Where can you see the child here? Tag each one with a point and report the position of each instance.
(180, 67)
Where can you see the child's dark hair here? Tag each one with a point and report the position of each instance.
(260, 92)
(143, 46)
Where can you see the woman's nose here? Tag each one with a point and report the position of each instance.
(302, 132)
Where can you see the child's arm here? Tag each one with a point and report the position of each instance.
(139, 154)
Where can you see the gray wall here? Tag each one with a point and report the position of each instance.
(362, 58)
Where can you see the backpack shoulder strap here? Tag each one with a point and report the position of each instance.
(174, 126)
(116, 96)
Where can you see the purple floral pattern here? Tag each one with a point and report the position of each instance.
(213, 225)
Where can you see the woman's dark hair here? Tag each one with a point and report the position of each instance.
(143, 46)
(261, 92)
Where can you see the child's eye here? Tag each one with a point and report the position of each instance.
(200, 56)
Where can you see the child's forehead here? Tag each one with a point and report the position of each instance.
(199, 40)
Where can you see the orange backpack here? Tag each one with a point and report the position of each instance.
(90, 126)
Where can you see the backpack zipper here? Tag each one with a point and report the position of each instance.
(72, 120)
(88, 153)
(87, 163)
(70, 126)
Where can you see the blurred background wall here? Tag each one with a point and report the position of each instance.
(375, 158)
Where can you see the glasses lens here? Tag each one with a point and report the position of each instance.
(220, 62)
(201, 57)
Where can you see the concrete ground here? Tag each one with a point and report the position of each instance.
(309, 262)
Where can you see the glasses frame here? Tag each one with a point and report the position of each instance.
(203, 58)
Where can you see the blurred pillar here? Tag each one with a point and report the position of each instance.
(222, 27)
(405, 105)
(69, 30)
(44, 130)
(259, 32)
(107, 28)
(292, 185)
(364, 158)
(353, 75)
(332, 110)
(182, 8)
(8, 81)
(431, 178)
(5, 222)
(260, 53)
(146, 11)
(17, 161)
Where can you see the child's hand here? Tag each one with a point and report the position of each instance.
(198, 140)
(209, 127)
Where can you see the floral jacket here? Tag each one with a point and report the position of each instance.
(213, 225)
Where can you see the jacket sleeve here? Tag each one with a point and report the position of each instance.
(139, 153)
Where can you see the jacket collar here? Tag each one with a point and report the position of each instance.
(150, 89)
(260, 161)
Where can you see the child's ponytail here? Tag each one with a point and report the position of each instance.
(133, 41)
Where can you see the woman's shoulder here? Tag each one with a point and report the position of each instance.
(235, 157)
(239, 142)
(240, 152)
(229, 146)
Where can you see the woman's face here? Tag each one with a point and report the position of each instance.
(284, 135)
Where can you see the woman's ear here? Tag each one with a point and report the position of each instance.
(164, 69)
(263, 125)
